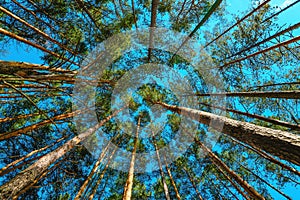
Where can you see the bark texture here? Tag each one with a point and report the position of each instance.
(283, 144)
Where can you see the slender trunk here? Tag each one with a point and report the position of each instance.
(270, 120)
(81, 4)
(21, 39)
(96, 165)
(248, 188)
(231, 181)
(267, 157)
(129, 182)
(283, 144)
(238, 22)
(224, 185)
(203, 20)
(280, 11)
(35, 29)
(36, 17)
(193, 183)
(276, 84)
(4, 170)
(7, 119)
(28, 175)
(172, 180)
(287, 42)
(134, 14)
(32, 127)
(9, 65)
(263, 180)
(293, 94)
(268, 39)
(102, 174)
(166, 190)
(154, 6)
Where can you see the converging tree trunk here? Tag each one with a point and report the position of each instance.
(28, 175)
(129, 183)
(279, 143)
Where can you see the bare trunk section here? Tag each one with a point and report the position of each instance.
(129, 182)
(102, 174)
(270, 120)
(238, 22)
(232, 182)
(166, 190)
(96, 165)
(35, 29)
(154, 6)
(29, 175)
(267, 157)
(283, 144)
(248, 188)
(15, 133)
(293, 94)
(9, 65)
(172, 180)
(6, 169)
(21, 39)
(193, 183)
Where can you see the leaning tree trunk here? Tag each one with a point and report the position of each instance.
(129, 182)
(283, 144)
(193, 183)
(270, 120)
(218, 162)
(289, 94)
(26, 177)
(172, 180)
(161, 170)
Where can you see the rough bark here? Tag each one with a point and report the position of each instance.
(29, 175)
(283, 144)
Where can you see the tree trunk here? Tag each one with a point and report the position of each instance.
(32, 127)
(21, 39)
(35, 29)
(172, 180)
(152, 26)
(102, 174)
(28, 175)
(294, 94)
(270, 120)
(250, 190)
(129, 182)
(6, 169)
(96, 165)
(193, 183)
(283, 144)
(161, 170)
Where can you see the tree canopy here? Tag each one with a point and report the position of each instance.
(149, 99)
